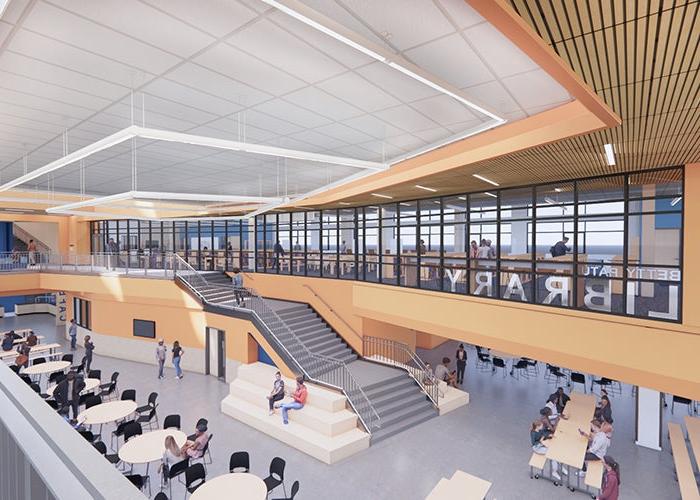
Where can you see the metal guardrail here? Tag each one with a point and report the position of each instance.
(316, 368)
(400, 355)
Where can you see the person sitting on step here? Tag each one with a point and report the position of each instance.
(299, 399)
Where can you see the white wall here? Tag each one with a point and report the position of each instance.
(46, 232)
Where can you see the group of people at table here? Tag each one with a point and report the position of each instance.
(599, 436)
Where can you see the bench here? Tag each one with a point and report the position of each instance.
(681, 459)
(537, 461)
(594, 475)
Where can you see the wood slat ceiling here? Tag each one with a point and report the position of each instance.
(641, 57)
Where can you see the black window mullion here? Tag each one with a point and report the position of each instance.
(575, 259)
(625, 247)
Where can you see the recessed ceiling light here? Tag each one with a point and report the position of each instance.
(383, 196)
(343, 203)
(426, 188)
(462, 198)
(558, 190)
(490, 194)
(609, 154)
(405, 204)
(481, 177)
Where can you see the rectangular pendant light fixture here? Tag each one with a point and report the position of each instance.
(609, 154)
(481, 177)
(490, 194)
(383, 196)
(432, 190)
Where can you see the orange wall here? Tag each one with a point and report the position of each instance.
(691, 246)
(73, 233)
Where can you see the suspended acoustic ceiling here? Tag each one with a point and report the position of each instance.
(74, 72)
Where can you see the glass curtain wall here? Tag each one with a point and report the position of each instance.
(610, 244)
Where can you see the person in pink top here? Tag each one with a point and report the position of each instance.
(299, 399)
(195, 449)
(610, 489)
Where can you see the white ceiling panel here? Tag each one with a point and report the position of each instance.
(72, 58)
(14, 10)
(220, 18)
(322, 141)
(211, 82)
(441, 109)
(51, 91)
(395, 83)
(142, 22)
(269, 122)
(323, 103)
(174, 91)
(469, 71)
(344, 133)
(5, 29)
(79, 32)
(461, 13)
(407, 118)
(293, 113)
(417, 23)
(355, 89)
(495, 94)
(535, 89)
(272, 44)
(249, 70)
(500, 54)
(373, 126)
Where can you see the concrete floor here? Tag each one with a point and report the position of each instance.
(488, 438)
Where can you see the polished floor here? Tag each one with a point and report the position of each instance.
(488, 438)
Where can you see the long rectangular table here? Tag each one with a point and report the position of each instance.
(692, 425)
(50, 348)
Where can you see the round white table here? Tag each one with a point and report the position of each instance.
(90, 385)
(107, 412)
(149, 447)
(236, 486)
(50, 367)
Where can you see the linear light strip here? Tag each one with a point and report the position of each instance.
(481, 177)
(150, 195)
(609, 154)
(376, 52)
(245, 147)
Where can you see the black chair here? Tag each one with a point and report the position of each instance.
(239, 460)
(56, 377)
(67, 357)
(578, 378)
(295, 490)
(95, 374)
(553, 374)
(132, 429)
(276, 476)
(532, 366)
(520, 369)
(483, 362)
(195, 476)
(26, 378)
(88, 435)
(172, 421)
(206, 452)
(112, 458)
(109, 388)
(161, 496)
(497, 363)
(129, 394)
(150, 418)
(38, 361)
(681, 401)
(201, 421)
(92, 401)
(79, 368)
(35, 387)
(175, 471)
(140, 481)
(15, 368)
(119, 431)
(150, 405)
(602, 382)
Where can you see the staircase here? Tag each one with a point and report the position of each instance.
(401, 404)
(389, 395)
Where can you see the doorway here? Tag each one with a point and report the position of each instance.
(215, 363)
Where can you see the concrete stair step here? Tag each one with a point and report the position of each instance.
(390, 430)
(327, 423)
(376, 392)
(405, 413)
(302, 323)
(334, 350)
(321, 342)
(391, 403)
(311, 328)
(326, 449)
(401, 375)
(295, 313)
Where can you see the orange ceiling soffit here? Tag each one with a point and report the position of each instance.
(504, 18)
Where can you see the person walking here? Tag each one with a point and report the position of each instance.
(279, 252)
(161, 351)
(461, 357)
(67, 393)
(89, 347)
(73, 334)
(237, 281)
(31, 248)
(177, 357)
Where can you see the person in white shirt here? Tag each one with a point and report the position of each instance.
(598, 445)
(552, 405)
(161, 352)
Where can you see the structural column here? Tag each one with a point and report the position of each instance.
(648, 423)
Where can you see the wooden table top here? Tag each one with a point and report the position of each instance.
(692, 424)
(462, 485)
(684, 468)
(567, 445)
(90, 385)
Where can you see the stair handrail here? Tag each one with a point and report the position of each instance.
(400, 355)
(330, 308)
(315, 367)
(189, 274)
